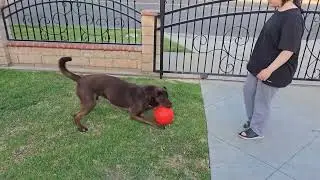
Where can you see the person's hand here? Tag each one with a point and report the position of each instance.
(264, 74)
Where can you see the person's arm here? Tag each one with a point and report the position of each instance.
(282, 58)
(290, 41)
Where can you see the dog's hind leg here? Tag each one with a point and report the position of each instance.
(85, 109)
(87, 104)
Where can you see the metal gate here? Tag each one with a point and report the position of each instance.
(217, 37)
(98, 22)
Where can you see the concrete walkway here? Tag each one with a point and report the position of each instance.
(290, 149)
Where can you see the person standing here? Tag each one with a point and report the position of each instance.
(272, 64)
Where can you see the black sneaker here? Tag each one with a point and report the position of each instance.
(249, 134)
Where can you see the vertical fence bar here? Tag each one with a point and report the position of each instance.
(38, 19)
(101, 35)
(57, 7)
(79, 18)
(185, 39)
(66, 20)
(128, 25)
(135, 22)
(248, 28)
(73, 31)
(215, 39)
(155, 42)
(177, 50)
(317, 58)
(208, 40)
(114, 23)
(121, 18)
(170, 41)
(34, 34)
(88, 34)
(108, 29)
(265, 17)
(12, 25)
(239, 34)
(255, 29)
(194, 27)
(45, 21)
(25, 21)
(203, 11)
(223, 36)
(5, 23)
(229, 53)
(162, 18)
(53, 29)
(94, 22)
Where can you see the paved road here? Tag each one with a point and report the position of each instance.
(75, 13)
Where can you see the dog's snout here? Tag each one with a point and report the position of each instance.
(169, 104)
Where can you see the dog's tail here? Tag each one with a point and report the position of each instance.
(65, 71)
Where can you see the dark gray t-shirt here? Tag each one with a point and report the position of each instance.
(283, 31)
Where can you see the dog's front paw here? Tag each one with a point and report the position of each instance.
(83, 129)
(161, 127)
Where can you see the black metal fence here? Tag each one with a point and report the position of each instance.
(217, 37)
(89, 21)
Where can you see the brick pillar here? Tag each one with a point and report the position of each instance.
(148, 21)
(4, 56)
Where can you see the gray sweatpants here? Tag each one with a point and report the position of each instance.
(257, 99)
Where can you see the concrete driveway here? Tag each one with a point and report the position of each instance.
(290, 149)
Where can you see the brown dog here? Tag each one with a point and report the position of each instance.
(136, 99)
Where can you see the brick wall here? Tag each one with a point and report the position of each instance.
(40, 54)
(3, 57)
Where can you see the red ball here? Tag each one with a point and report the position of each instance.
(163, 115)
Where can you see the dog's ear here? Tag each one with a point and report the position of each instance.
(166, 91)
(162, 92)
(150, 91)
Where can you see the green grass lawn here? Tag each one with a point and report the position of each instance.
(84, 34)
(38, 139)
